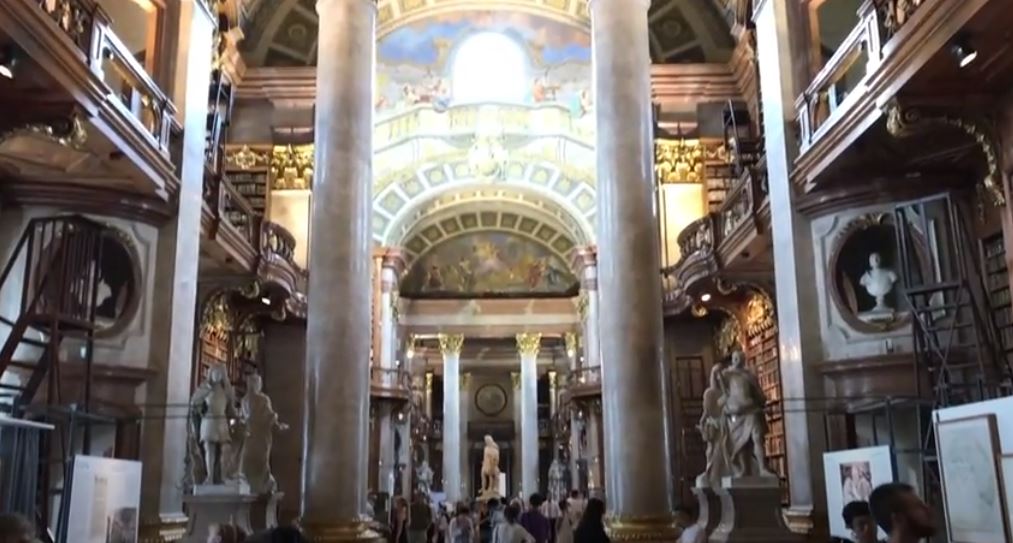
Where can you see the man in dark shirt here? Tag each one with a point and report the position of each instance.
(534, 521)
(420, 517)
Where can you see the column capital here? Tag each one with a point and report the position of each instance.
(528, 344)
(570, 338)
(584, 257)
(451, 343)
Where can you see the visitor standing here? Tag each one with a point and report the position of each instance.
(901, 513)
(858, 519)
(399, 520)
(534, 521)
(592, 524)
(461, 528)
(420, 518)
(564, 526)
(509, 531)
(576, 506)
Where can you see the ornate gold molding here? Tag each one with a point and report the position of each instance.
(679, 161)
(342, 532)
(529, 344)
(903, 121)
(292, 167)
(67, 132)
(570, 338)
(451, 343)
(644, 529)
(246, 158)
(515, 380)
(465, 380)
(729, 336)
(760, 314)
(429, 382)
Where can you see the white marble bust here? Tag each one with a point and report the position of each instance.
(878, 282)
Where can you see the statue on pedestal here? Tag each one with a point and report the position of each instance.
(490, 469)
(424, 477)
(557, 480)
(214, 404)
(733, 424)
(743, 405)
(261, 421)
(878, 282)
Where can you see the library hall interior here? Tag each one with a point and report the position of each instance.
(506, 271)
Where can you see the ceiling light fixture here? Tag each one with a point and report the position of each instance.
(8, 61)
(265, 300)
(962, 50)
(705, 297)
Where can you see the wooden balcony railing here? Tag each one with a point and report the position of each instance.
(235, 211)
(135, 93)
(835, 86)
(584, 382)
(391, 383)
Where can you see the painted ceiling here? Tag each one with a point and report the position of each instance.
(284, 32)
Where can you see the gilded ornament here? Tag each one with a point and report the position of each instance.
(582, 302)
(246, 158)
(515, 380)
(679, 161)
(528, 344)
(68, 132)
(451, 343)
(216, 318)
(465, 380)
(895, 13)
(570, 339)
(728, 336)
(760, 314)
(647, 528)
(698, 310)
(292, 167)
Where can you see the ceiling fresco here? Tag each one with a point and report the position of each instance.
(489, 264)
(284, 32)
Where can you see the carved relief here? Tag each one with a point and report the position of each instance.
(246, 158)
(292, 167)
(682, 160)
(760, 313)
(729, 336)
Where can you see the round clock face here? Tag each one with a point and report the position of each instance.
(490, 400)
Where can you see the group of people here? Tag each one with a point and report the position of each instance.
(894, 507)
(570, 520)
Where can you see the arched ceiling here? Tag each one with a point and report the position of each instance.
(284, 32)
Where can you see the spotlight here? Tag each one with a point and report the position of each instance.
(265, 300)
(705, 297)
(8, 61)
(962, 50)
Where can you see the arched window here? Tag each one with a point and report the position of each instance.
(490, 67)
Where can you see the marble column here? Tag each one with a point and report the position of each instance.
(428, 396)
(390, 272)
(164, 432)
(595, 463)
(386, 460)
(794, 267)
(634, 392)
(528, 346)
(450, 346)
(338, 324)
(465, 448)
(587, 265)
(518, 444)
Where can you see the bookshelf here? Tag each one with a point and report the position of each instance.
(248, 170)
(763, 358)
(996, 275)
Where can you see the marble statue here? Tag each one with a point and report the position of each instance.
(490, 468)
(214, 401)
(557, 480)
(261, 421)
(424, 477)
(742, 404)
(713, 430)
(878, 282)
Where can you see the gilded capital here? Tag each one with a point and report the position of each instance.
(571, 344)
(528, 344)
(429, 381)
(553, 379)
(515, 379)
(451, 343)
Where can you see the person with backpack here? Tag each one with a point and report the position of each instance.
(462, 526)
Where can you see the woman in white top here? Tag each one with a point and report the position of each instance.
(509, 531)
(564, 525)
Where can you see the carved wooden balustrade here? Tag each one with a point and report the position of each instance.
(834, 87)
(708, 244)
(277, 259)
(584, 383)
(391, 384)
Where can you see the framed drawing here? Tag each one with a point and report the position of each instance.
(105, 497)
(1006, 463)
(850, 476)
(968, 450)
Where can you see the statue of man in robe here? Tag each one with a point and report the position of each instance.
(490, 468)
(746, 426)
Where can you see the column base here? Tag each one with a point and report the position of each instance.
(662, 529)
(709, 507)
(356, 531)
(751, 512)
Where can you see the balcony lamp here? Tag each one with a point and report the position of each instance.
(962, 50)
(8, 61)
(705, 297)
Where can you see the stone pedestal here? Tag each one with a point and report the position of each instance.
(751, 512)
(710, 508)
(250, 512)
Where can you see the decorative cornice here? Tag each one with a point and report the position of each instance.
(90, 199)
(904, 121)
(450, 344)
(529, 344)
